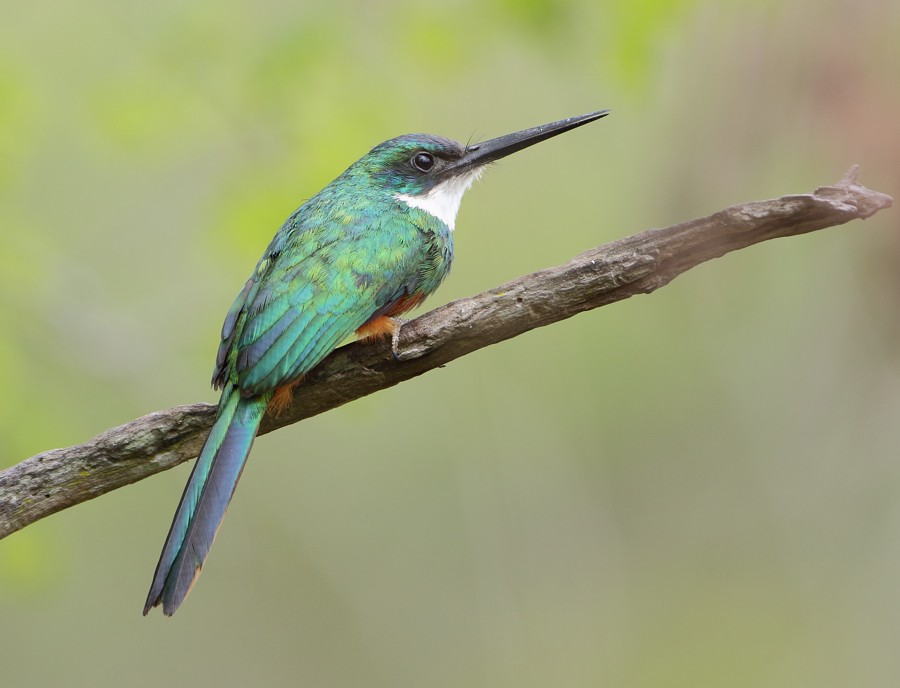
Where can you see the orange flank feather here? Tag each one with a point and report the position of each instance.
(382, 326)
(407, 303)
(283, 397)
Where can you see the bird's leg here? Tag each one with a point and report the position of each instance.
(395, 337)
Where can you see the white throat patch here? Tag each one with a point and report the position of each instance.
(443, 200)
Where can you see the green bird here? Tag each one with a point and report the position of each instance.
(368, 247)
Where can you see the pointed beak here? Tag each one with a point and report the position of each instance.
(479, 154)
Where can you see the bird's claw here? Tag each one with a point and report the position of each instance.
(395, 338)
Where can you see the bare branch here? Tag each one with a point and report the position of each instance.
(639, 264)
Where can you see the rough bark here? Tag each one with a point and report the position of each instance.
(639, 264)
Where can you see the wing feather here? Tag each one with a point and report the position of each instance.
(320, 287)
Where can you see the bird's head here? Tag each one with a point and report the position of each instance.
(432, 173)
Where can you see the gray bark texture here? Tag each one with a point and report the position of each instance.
(56, 479)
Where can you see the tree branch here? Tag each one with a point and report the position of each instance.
(639, 264)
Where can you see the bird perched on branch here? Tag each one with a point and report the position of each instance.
(367, 248)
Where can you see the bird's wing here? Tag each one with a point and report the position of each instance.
(306, 298)
(229, 329)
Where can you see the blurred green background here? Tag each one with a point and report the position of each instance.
(696, 488)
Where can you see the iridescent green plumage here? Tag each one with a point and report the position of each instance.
(373, 243)
(341, 259)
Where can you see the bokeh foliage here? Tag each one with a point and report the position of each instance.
(696, 488)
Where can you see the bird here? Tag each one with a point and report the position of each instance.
(368, 247)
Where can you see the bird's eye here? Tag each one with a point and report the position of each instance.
(422, 161)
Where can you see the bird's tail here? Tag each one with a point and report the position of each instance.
(205, 499)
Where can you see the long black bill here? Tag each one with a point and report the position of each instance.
(479, 154)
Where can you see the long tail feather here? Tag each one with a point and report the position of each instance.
(205, 500)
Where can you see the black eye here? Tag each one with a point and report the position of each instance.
(422, 161)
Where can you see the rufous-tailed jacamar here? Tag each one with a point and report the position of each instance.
(368, 247)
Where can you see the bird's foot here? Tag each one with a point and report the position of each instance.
(395, 337)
